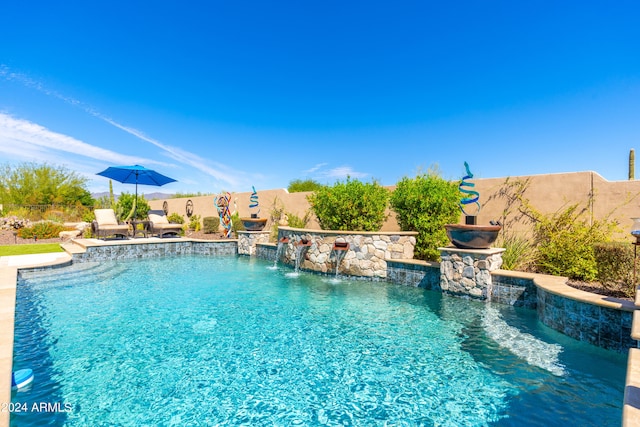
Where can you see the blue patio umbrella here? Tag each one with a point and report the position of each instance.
(135, 174)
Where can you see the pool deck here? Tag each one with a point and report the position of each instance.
(8, 277)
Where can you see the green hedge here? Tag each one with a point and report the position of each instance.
(351, 205)
(425, 204)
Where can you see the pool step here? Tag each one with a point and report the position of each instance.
(80, 273)
(61, 273)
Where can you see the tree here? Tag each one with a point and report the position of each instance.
(34, 184)
(299, 185)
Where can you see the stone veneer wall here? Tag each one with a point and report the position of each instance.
(366, 256)
(151, 250)
(468, 272)
(247, 241)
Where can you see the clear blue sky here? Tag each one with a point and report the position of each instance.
(224, 95)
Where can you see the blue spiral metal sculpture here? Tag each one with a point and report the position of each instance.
(253, 200)
(472, 195)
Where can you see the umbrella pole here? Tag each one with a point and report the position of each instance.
(135, 206)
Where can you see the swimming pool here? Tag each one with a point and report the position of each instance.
(226, 341)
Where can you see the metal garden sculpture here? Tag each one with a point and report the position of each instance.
(222, 204)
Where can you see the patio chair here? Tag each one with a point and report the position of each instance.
(160, 225)
(106, 224)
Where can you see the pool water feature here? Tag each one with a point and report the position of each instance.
(207, 341)
(280, 248)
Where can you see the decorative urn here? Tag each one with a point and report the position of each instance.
(471, 235)
(254, 222)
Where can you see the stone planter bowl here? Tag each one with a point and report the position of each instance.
(472, 236)
(253, 224)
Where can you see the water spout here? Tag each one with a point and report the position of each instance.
(340, 248)
(283, 241)
(301, 245)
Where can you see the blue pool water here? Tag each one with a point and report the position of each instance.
(227, 341)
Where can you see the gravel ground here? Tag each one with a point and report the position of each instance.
(8, 238)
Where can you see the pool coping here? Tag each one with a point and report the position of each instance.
(8, 280)
(10, 266)
(557, 285)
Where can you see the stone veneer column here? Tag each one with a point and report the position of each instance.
(247, 241)
(468, 271)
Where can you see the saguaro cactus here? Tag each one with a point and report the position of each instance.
(632, 164)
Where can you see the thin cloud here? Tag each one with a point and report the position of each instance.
(339, 173)
(316, 168)
(216, 171)
(31, 136)
(343, 172)
(175, 153)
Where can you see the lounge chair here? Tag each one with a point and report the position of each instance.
(106, 224)
(160, 225)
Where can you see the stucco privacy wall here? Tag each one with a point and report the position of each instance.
(619, 200)
(547, 193)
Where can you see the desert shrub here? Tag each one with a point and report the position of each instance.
(295, 221)
(54, 215)
(276, 214)
(350, 205)
(565, 242)
(180, 195)
(299, 185)
(210, 224)
(425, 204)
(236, 224)
(22, 212)
(519, 253)
(614, 263)
(88, 216)
(194, 223)
(41, 230)
(175, 218)
(76, 213)
(124, 206)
